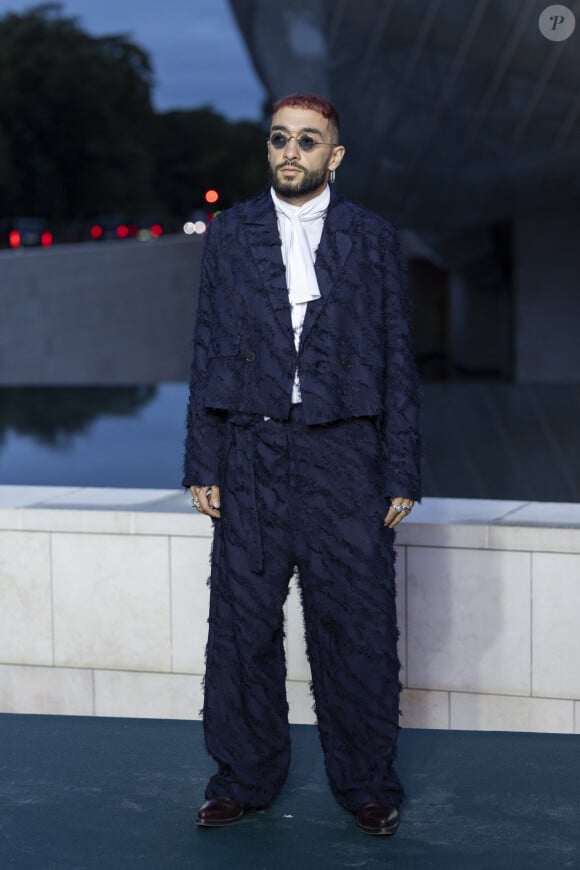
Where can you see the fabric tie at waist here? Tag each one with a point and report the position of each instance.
(243, 446)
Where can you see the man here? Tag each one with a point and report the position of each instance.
(303, 447)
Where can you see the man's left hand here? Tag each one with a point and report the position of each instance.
(399, 509)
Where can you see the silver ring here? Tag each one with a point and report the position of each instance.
(407, 508)
(208, 492)
(398, 508)
(194, 502)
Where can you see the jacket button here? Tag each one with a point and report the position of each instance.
(251, 356)
(345, 363)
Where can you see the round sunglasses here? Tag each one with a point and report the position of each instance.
(305, 142)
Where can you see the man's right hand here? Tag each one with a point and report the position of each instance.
(208, 498)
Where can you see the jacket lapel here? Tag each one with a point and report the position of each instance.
(334, 248)
(259, 217)
(261, 226)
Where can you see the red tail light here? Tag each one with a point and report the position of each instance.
(96, 232)
(46, 239)
(14, 239)
(122, 231)
(156, 231)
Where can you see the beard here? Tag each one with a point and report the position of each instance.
(309, 181)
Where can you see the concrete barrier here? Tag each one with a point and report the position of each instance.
(106, 313)
(103, 608)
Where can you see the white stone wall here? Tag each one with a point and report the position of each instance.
(104, 597)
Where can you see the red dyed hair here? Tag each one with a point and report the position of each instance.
(314, 102)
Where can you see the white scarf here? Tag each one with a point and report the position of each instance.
(298, 252)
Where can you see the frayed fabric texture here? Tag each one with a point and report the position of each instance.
(308, 488)
(356, 355)
(313, 496)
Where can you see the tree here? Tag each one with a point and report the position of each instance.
(79, 137)
(76, 121)
(198, 149)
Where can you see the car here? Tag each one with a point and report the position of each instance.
(25, 232)
(115, 226)
(149, 227)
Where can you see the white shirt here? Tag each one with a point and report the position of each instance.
(311, 216)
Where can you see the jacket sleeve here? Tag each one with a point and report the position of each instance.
(204, 426)
(400, 424)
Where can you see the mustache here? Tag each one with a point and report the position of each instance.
(291, 163)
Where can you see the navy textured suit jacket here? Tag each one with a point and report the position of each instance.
(356, 355)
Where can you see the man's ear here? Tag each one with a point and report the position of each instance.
(337, 157)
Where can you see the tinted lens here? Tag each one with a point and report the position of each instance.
(307, 143)
(278, 140)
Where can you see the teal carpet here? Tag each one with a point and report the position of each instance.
(121, 794)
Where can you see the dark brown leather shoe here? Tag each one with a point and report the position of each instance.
(376, 818)
(219, 812)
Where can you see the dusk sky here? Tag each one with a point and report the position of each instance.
(198, 54)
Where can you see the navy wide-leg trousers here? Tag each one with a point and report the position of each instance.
(306, 497)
